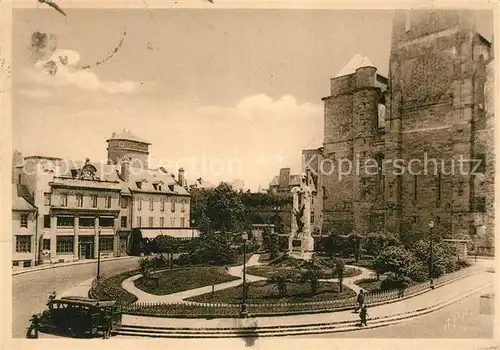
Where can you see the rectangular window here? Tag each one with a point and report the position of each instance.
(162, 205)
(46, 221)
(65, 221)
(64, 244)
(64, 200)
(46, 244)
(86, 222)
(79, 200)
(105, 221)
(162, 222)
(172, 222)
(139, 221)
(139, 204)
(312, 217)
(124, 221)
(172, 204)
(151, 221)
(46, 199)
(19, 179)
(183, 222)
(24, 220)
(479, 204)
(151, 203)
(94, 201)
(124, 202)
(23, 244)
(108, 202)
(106, 244)
(183, 208)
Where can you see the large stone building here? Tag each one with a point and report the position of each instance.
(81, 208)
(413, 128)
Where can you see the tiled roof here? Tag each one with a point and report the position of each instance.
(127, 135)
(295, 180)
(149, 178)
(18, 202)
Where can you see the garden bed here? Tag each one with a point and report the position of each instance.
(178, 280)
(267, 271)
(111, 289)
(262, 292)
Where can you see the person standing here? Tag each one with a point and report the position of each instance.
(360, 300)
(107, 324)
(34, 328)
(363, 314)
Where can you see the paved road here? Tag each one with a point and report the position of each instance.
(461, 320)
(30, 290)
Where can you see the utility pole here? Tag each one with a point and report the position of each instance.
(98, 252)
(431, 226)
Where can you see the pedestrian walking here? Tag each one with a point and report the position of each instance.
(363, 314)
(360, 300)
(34, 328)
(107, 325)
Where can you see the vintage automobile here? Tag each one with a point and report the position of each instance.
(78, 316)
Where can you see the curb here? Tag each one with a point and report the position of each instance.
(333, 327)
(55, 266)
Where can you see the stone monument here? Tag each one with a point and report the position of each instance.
(301, 243)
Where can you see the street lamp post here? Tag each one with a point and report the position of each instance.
(98, 252)
(431, 226)
(244, 312)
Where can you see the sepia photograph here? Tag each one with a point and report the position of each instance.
(217, 172)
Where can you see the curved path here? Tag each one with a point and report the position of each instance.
(236, 271)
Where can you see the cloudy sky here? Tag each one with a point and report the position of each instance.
(227, 94)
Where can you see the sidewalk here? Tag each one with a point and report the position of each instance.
(414, 304)
(236, 271)
(56, 265)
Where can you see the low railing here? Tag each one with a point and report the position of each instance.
(221, 310)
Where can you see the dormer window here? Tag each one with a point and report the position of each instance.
(171, 188)
(155, 186)
(139, 184)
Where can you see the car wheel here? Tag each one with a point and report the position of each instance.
(74, 331)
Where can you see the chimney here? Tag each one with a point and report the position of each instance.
(125, 170)
(113, 135)
(284, 180)
(180, 177)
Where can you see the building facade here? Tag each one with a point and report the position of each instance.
(405, 136)
(81, 208)
(23, 230)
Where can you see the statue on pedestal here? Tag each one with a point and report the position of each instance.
(301, 243)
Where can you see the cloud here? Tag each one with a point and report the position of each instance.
(36, 93)
(60, 70)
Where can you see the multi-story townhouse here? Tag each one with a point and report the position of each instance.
(23, 230)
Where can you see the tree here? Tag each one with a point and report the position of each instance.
(280, 281)
(309, 272)
(135, 242)
(270, 243)
(212, 248)
(218, 209)
(374, 242)
(167, 245)
(394, 259)
(339, 271)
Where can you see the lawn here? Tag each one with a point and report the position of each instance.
(268, 271)
(178, 280)
(111, 289)
(369, 284)
(262, 292)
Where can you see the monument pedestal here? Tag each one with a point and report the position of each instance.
(301, 248)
